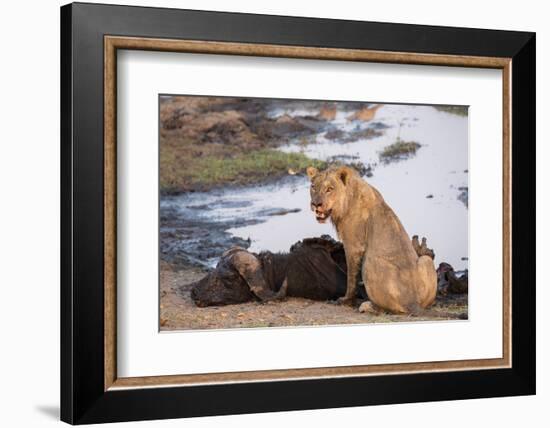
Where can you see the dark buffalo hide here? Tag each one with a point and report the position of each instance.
(314, 268)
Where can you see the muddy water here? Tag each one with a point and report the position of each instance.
(423, 190)
(438, 170)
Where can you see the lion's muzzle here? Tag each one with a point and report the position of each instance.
(321, 215)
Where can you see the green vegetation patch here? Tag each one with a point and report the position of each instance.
(399, 150)
(244, 168)
(458, 110)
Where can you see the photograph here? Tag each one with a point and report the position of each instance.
(291, 212)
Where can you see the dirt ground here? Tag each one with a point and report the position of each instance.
(178, 312)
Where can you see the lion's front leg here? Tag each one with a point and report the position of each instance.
(353, 261)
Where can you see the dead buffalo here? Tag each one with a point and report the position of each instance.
(314, 268)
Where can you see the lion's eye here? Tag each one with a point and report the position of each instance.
(329, 189)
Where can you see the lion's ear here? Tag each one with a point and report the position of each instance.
(344, 173)
(311, 172)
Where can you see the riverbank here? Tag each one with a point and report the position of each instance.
(209, 142)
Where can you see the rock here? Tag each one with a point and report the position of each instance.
(284, 211)
(463, 195)
(334, 134)
(361, 168)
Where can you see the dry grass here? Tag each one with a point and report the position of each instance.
(178, 312)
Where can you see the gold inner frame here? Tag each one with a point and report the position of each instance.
(113, 43)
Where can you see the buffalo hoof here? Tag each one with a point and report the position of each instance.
(344, 301)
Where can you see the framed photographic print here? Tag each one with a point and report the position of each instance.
(266, 213)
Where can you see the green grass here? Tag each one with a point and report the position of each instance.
(458, 110)
(399, 150)
(244, 168)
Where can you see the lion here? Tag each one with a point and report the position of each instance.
(396, 278)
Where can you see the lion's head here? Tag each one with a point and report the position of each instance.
(328, 190)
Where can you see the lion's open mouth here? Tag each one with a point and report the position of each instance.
(322, 217)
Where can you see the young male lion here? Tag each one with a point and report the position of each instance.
(395, 277)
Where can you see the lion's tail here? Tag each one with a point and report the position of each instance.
(418, 311)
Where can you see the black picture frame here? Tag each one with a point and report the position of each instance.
(83, 398)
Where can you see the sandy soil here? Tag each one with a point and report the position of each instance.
(178, 312)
